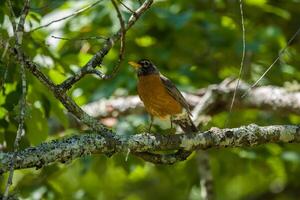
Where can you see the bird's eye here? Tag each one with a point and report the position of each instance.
(145, 63)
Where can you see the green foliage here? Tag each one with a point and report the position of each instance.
(194, 43)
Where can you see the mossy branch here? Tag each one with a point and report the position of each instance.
(76, 146)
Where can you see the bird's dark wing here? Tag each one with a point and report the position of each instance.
(175, 93)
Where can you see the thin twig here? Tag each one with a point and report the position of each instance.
(97, 59)
(242, 62)
(124, 5)
(80, 39)
(12, 15)
(68, 16)
(18, 33)
(20, 28)
(122, 41)
(20, 131)
(137, 14)
(269, 68)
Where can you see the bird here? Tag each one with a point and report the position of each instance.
(160, 96)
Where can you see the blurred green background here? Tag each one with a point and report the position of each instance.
(195, 43)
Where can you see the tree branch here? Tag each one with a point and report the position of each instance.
(68, 16)
(60, 91)
(214, 98)
(18, 33)
(67, 149)
(122, 39)
(68, 102)
(97, 59)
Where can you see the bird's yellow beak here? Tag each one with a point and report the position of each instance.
(134, 64)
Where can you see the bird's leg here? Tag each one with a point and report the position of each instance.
(151, 122)
(171, 121)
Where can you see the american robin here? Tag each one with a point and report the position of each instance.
(160, 96)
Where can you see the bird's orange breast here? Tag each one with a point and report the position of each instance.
(155, 97)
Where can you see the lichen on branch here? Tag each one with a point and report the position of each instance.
(67, 149)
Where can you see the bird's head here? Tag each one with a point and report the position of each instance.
(144, 67)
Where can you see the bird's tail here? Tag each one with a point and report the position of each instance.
(185, 122)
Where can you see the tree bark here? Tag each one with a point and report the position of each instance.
(76, 146)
